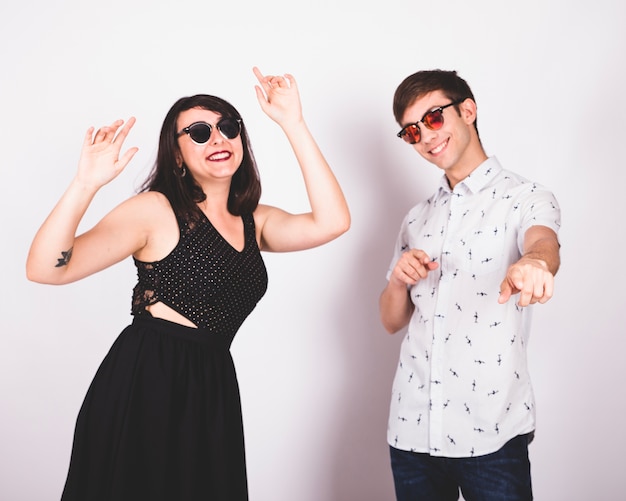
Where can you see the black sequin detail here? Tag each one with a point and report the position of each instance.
(204, 278)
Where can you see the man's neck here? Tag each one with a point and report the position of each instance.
(464, 169)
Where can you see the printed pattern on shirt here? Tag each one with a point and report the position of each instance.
(462, 387)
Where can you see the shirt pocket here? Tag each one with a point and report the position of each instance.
(481, 251)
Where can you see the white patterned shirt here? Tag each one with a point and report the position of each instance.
(462, 387)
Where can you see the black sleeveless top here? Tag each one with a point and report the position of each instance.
(204, 278)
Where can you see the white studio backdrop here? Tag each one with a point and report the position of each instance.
(314, 363)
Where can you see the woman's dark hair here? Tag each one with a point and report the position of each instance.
(183, 192)
(421, 83)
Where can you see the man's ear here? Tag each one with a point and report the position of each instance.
(468, 111)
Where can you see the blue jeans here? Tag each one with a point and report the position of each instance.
(501, 476)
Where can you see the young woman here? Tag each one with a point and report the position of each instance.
(162, 417)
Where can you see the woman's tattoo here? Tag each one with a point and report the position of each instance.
(62, 261)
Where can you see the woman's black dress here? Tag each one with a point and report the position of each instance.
(162, 417)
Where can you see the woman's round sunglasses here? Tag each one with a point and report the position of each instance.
(432, 120)
(200, 132)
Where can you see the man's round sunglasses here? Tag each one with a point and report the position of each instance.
(432, 120)
(200, 132)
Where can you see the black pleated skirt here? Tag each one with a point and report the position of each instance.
(161, 420)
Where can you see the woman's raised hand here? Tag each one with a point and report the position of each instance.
(100, 160)
(279, 97)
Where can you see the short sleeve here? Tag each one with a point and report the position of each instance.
(539, 207)
(400, 246)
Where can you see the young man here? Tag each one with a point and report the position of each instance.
(467, 264)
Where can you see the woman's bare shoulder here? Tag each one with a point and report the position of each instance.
(262, 212)
(148, 205)
(156, 215)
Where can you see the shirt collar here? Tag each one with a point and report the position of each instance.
(480, 177)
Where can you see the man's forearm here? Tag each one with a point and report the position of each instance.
(541, 243)
(396, 307)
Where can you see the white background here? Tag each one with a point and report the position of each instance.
(314, 363)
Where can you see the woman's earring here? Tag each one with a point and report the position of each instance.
(181, 166)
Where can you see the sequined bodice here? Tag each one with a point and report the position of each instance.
(204, 278)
